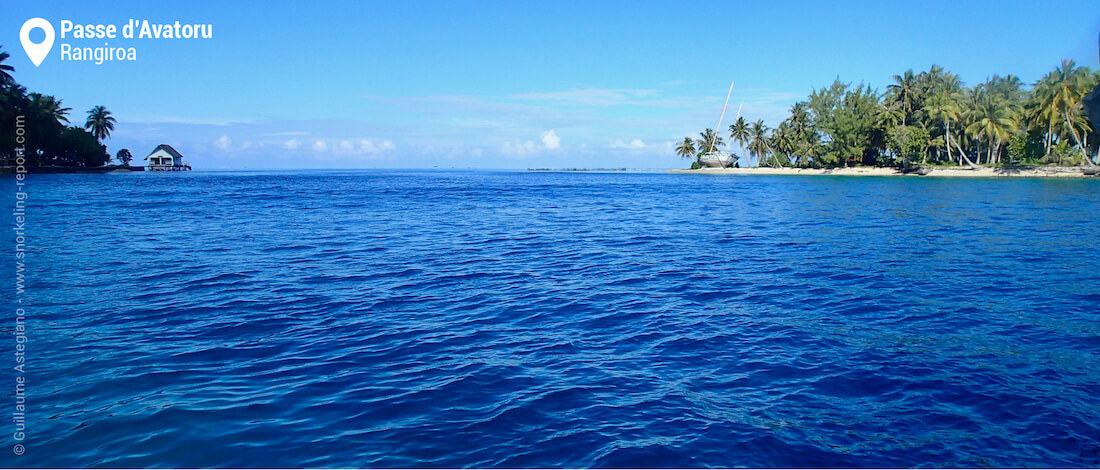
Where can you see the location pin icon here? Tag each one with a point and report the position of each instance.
(37, 52)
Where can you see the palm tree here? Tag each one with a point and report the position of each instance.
(14, 95)
(100, 122)
(935, 80)
(758, 141)
(809, 145)
(1010, 88)
(5, 70)
(686, 149)
(992, 120)
(1056, 104)
(944, 108)
(903, 92)
(739, 131)
(890, 114)
(799, 119)
(800, 132)
(1071, 84)
(57, 110)
(709, 141)
(783, 141)
(1041, 110)
(50, 106)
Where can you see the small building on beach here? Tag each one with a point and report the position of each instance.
(166, 158)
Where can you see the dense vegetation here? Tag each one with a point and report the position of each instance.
(927, 118)
(49, 139)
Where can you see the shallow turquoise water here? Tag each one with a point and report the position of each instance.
(516, 319)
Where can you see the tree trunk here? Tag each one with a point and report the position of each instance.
(1050, 136)
(947, 136)
(1084, 151)
(1085, 141)
(962, 153)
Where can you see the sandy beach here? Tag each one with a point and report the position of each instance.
(946, 172)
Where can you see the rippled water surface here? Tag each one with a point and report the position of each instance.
(519, 319)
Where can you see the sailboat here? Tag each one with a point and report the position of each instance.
(712, 157)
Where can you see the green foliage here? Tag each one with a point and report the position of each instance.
(100, 122)
(930, 115)
(77, 147)
(993, 120)
(47, 139)
(1025, 148)
(759, 145)
(696, 165)
(708, 141)
(739, 131)
(124, 157)
(686, 149)
(5, 70)
(1056, 105)
(1061, 154)
(847, 117)
(907, 143)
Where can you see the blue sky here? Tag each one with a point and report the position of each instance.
(510, 84)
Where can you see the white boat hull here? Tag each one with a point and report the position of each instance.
(718, 160)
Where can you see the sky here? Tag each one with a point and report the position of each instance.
(508, 84)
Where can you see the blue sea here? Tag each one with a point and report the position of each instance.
(542, 319)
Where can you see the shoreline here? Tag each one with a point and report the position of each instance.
(942, 172)
(49, 170)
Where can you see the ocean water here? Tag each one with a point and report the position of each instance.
(529, 319)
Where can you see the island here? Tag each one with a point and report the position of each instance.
(927, 123)
(44, 141)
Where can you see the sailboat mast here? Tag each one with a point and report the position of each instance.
(718, 128)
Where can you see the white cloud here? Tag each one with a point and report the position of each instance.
(346, 148)
(518, 148)
(246, 144)
(224, 142)
(292, 144)
(369, 147)
(551, 140)
(635, 144)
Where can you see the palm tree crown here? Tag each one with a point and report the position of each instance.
(100, 122)
(709, 141)
(5, 70)
(758, 141)
(739, 131)
(686, 149)
(902, 92)
(51, 106)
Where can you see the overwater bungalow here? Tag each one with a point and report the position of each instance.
(166, 158)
